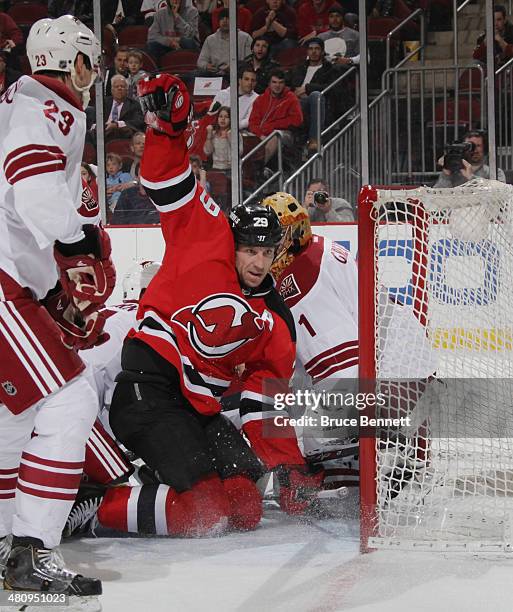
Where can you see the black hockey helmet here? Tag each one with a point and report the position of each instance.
(255, 225)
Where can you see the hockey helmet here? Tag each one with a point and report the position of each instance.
(296, 223)
(255, 225)
(53, 44)
(137, 279)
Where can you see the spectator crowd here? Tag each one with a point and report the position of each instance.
(288, 53)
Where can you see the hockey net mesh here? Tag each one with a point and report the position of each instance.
(443, 277)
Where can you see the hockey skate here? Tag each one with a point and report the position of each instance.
(82, 518)
(5, 549)
(33, 568)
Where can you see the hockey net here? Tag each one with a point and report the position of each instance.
(436, 340)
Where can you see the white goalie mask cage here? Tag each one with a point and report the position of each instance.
(137, 279)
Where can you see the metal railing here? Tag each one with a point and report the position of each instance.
(276, 176)
(424, 110)
(322, 97)
(338, 162)
(338, 159)
(327, 162)
(400, 26)
(455, 10)
(504, 115)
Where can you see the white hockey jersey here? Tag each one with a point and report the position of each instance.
(321, 289)
(105, 359)
(43, 129)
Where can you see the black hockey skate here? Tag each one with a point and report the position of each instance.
(82, 518)
(32, 567)
(5, 549)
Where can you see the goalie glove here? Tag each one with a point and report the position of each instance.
(77, 332)
(87, 273)
(165, 103)
(299, 486)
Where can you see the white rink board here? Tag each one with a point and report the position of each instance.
(132, 244)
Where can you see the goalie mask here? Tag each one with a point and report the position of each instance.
(137, 279)
(53, 44)
(296, 223)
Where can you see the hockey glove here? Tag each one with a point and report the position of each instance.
(298, 487)
(165, 103)
(87, 273)
(77, 331)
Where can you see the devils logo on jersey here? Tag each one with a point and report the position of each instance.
(220, 324)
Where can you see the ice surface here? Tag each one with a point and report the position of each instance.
(288, 565)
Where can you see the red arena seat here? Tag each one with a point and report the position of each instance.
(134, 36)
(27, 13)
(289, 58)
(179, 61)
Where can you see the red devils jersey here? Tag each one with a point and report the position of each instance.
(194, 312)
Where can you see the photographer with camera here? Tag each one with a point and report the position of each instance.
(322, 208)
(463, 161)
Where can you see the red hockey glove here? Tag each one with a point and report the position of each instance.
(298, 487)
(166, 103)
(77, 331)
(87, 273)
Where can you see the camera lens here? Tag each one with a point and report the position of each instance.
(320, 197)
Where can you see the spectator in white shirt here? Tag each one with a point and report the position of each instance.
(247, 96)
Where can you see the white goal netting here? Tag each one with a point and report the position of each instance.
(443, 285)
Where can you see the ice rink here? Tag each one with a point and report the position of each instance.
(288, 565)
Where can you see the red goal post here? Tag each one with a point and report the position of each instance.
(437, 260)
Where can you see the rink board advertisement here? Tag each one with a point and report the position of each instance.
(457, 311)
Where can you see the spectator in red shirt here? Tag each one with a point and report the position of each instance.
(244, 17)
(276, 109)
(313, 18)
(277, 24)
(10, 33)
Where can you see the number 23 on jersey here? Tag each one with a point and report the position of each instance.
(64, 119)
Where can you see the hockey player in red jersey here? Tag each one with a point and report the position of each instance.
(141, 509)
(211, 307)
(49, 403)
(317, 278)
